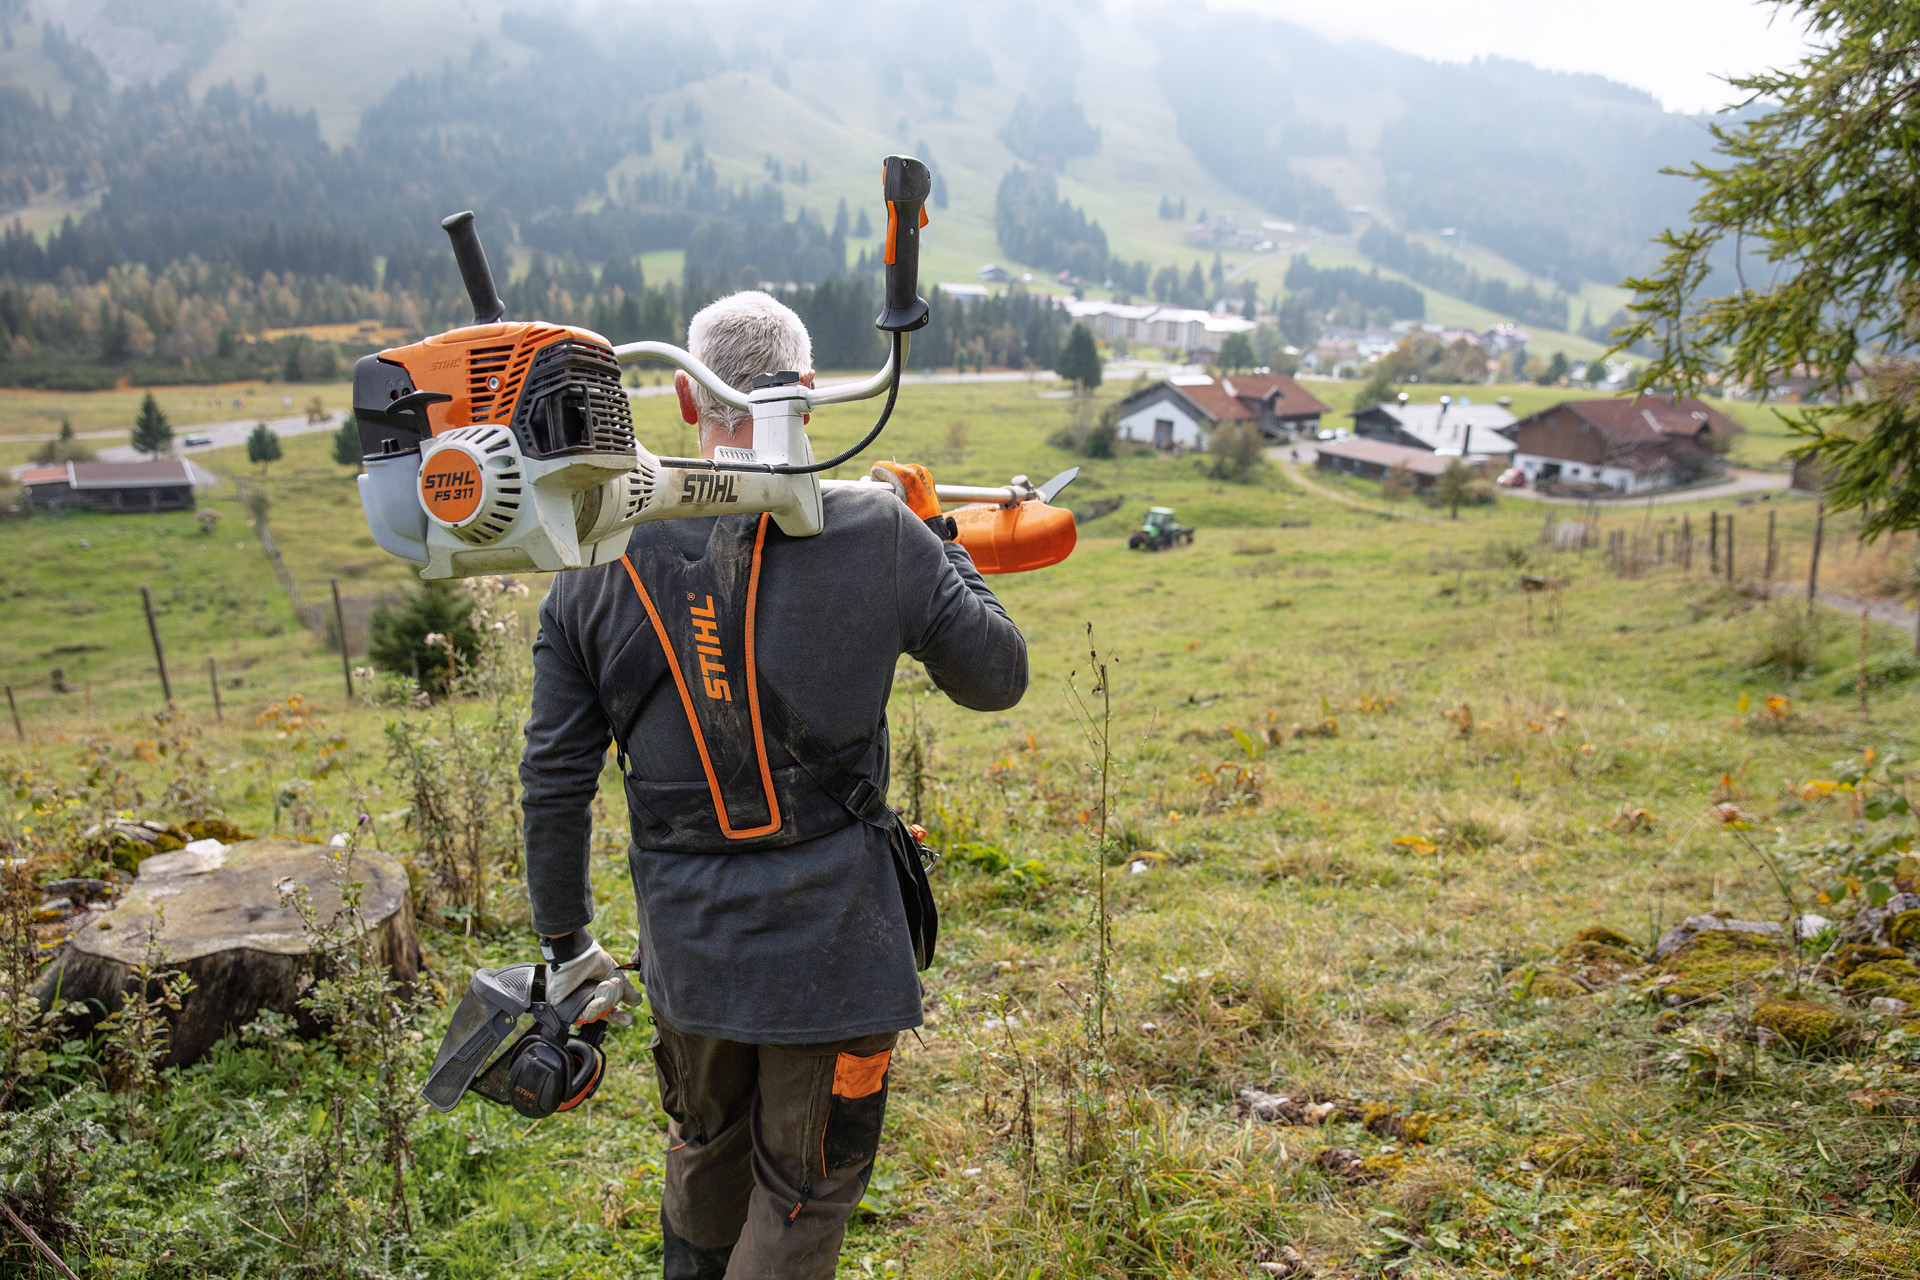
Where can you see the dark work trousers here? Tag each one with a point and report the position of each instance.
(768, 1153)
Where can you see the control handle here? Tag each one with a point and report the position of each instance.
(472, 259)
(906, 183)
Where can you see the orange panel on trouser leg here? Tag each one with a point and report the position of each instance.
(1027, 535)
(858, 1077)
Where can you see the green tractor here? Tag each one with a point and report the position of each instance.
(1160, 531)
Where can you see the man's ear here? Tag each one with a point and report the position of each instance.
(683, 387)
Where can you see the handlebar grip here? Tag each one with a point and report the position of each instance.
(906, 184)
(474, 272)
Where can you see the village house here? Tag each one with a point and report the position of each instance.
(1182, 412)
(1628, 445)
(1450, 429)
(162, 485)
(1375, 459)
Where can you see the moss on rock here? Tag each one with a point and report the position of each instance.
(1551, 984)
(1802, 1023)
(1850, 958)
(1896, 978)
(1719, 962)
(1599, 934)
(1904, 929)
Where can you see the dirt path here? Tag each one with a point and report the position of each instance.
(1291, 470)
(1891, 612)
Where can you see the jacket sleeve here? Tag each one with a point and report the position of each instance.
(567, 740)
(953, 625)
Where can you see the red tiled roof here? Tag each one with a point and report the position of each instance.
(44, 475)
(1212, 399)
(1290, 399)
(1628, 423)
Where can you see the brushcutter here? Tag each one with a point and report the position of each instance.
(507, 446)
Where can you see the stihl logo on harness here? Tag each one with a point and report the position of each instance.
(706, 638)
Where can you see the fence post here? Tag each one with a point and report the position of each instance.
(15, 708)
(159, 654)
(1771, 513)
(1686, 543)
(213, 678)
(1813, 565)
(340, 623)
(1729, 548)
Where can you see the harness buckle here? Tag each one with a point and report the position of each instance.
(863, 799)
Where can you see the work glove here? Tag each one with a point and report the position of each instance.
(611, 987)
(913, 483)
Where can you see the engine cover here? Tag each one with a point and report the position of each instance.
(472, 483)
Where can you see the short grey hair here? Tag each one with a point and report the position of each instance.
(740, 336)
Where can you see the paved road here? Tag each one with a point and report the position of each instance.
(225, 435)
(1740, 484)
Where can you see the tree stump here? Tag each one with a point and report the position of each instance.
(223, 921)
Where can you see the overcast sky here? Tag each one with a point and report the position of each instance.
(1671, 48)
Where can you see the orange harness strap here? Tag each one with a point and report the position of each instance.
(727, 829)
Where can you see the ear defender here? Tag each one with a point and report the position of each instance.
(547, 1078)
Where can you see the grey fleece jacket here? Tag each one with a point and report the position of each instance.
(790, 946)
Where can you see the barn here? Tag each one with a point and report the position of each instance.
(165, 484)
(1629, 445)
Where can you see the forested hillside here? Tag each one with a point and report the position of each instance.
(628, 165)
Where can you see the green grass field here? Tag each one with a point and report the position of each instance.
(1360, 898)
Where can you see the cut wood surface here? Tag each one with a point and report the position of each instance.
(223, 920)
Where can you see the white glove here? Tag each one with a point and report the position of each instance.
(611, 988)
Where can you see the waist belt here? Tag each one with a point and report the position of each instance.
(702, 612)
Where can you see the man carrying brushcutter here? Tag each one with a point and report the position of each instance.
(743, 676)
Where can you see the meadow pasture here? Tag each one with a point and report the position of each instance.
(1390, 842)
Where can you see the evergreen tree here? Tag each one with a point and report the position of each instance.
(397, 637)
(1557, 368)
(152, 433)
(1079, 359)
(263, 446)
(1217, 276)
(1250, 301)
(861, 227)
(1819, 185)
(1196, 291)
(66, 449)
(1236, 352)
(346, 441)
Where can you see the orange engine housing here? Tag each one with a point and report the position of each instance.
(555, 386)
(1014, 539)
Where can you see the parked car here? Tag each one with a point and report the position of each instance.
(1512, 478)
(197, 442)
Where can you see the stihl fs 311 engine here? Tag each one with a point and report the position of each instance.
(507, 446)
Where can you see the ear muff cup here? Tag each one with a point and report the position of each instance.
(547, 1077)
(589, 1064)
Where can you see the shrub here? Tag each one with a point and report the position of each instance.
(1790, 645)
(1236, 450)
(399, 637)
